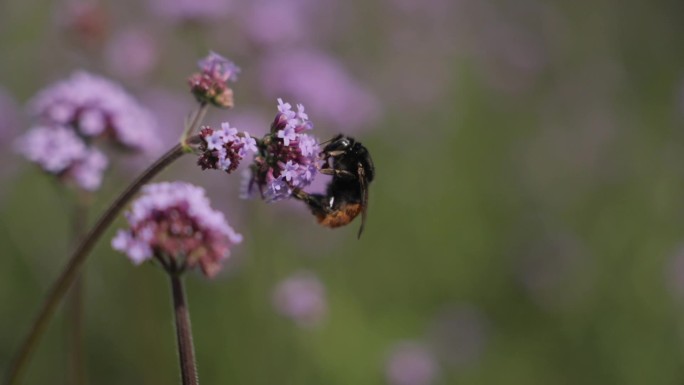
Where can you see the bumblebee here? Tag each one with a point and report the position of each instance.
(352, 170)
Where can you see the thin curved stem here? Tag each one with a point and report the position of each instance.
(193, 125)
(186, 349)
(71, 270)
(75, 302)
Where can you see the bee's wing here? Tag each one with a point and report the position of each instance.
(363, 181)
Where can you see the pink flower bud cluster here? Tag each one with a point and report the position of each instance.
(223, 149)
(175, 224)
(210, 85)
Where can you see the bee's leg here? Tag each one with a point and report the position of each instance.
(336, 172)
(316, 202)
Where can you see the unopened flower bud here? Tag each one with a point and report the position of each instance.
(210, 85)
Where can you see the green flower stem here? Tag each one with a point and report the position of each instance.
(75, 312)
(186, 350)
(193, 125)
(70, 272)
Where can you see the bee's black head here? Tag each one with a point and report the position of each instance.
(348, 154)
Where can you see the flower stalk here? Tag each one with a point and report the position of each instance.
(192, 126)
(186, 349)
(75, 304)
(71, 270)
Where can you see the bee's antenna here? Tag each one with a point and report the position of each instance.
(334, 138)
(327, 141)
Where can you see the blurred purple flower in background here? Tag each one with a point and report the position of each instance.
(278, 23)
(87, 22)
(59, 151)
(132, 53)
(507, 40)
(323, 84)
(411, 363)
(288, 156)
(174, 223)
(459, 335)
(273, 22)
(302, 298)
(191, 11)
(96, 107)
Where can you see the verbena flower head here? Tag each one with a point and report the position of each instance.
(223, 149)
(410, 363)
(288, 156)
(210, 85)
(96, 107)
(174, 223)
(302, 298)
(59, 151)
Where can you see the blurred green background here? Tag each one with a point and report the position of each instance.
(525, 225)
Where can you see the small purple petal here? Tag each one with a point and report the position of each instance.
(285, 109)
(287, 134)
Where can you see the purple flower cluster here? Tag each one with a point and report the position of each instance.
(210, 85)
(58, 150)
(72, 114)
(302, 298)
(288, 156)
(96, 108)
(223, 149)
(174, 223)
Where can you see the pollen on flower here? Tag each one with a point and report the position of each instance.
(287, 156)
(210, 85)
(174, 223)
(96, 107)
(223, 149)
(59, 151)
